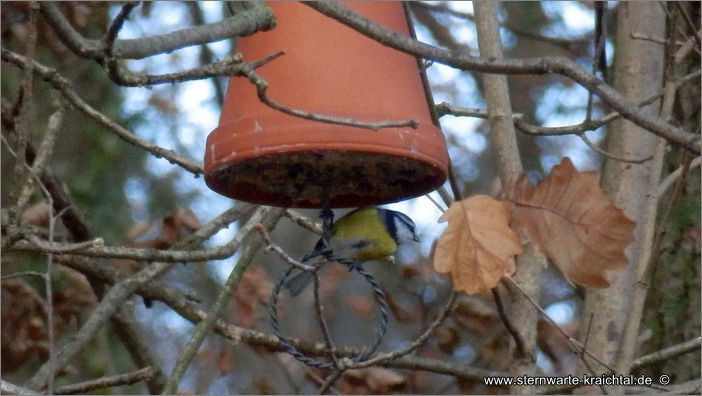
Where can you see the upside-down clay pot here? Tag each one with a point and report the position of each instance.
(262, 155)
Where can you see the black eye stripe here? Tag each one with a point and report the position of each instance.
(390, 218)
(389, 221)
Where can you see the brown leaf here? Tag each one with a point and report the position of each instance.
(162, 234)
(372, 380)
(224, 361)
(402, 310)
(24, 337)
(447, 338)
(362, 305)
(478, 246)
(569, 216)
(254, 290)
(476, 314)
(37, 214)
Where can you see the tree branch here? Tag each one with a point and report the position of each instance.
(542, 65)
(113, 300)
(144, 374)
(64, 86)
(509, 167)
(252, 243)
(259, 17)
(175, 299)
(262, 86)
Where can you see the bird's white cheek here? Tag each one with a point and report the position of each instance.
(407, 253)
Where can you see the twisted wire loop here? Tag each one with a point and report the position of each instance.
(296, 353)
(327, 217)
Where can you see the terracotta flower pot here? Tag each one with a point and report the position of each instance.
(260, 155)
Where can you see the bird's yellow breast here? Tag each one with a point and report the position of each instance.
(363, 225)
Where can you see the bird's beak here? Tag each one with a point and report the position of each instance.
(415, 238)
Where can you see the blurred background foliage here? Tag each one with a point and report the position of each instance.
(121, 191)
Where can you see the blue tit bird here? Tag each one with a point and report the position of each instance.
(364, 234)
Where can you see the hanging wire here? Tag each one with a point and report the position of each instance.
(367, 352)
(327, 220)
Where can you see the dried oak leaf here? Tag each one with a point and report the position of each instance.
(478, 247)
(372, 381)
(569, 216)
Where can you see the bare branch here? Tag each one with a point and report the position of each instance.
(44, 153)
(542, 65)
(22, 274)
(144, 374)
(565, 44)
(175, 299)
(231, 65)
(24, 103)
(52, 248)
(114, 299)
(256, 18)
(116, 26)
(272, 246)
(12, 389)
(572, 342)
(262, 86)
(531, 129)
(303, 221)
(609, 155)
(668, 353)
(64, 86)
(252, 243)
(673, 176)
(393, 356)
(35, 244)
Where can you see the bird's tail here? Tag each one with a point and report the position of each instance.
(298, 283)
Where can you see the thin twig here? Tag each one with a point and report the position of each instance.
(609, 155)
(9, 388)
(668, 353)
(143, 374)
(663, 222)
(176, 300)
(329, 382)
(436, 203)
(24, 98)
(521, 348)
(303, 221)
(562, 43)
(138, 254)
(272, 246)
(328, 342)
(114, 299)
(648, 37)
(571, 341)
(262, 86)
(599, 56)
(64, 86)
(49, 247)
(116, 26)
(581, 354)
(231, 65)
(540, 65)
(44, 152)
(676, 174)
(690, 23)
(256, 18)
(269, 217)
(23, 274)
(386, 357)
(530, 129)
